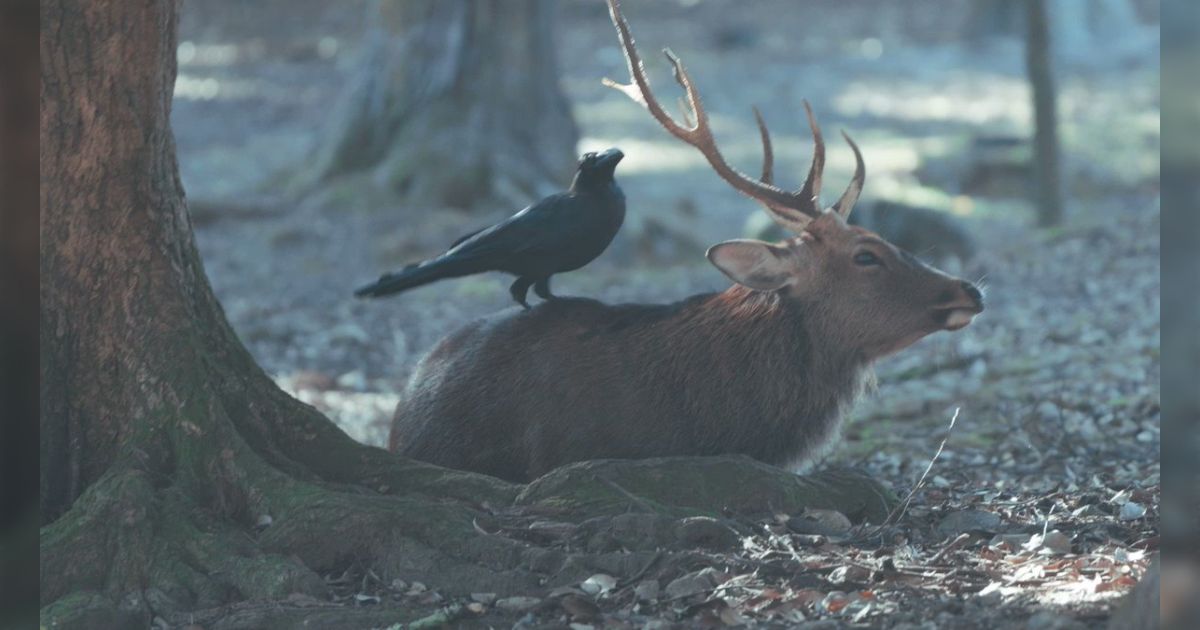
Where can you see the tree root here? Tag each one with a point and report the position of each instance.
(206, 511)
(133, 548)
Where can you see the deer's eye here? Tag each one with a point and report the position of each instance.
(866, 259)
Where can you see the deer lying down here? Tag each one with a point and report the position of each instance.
(764, 369)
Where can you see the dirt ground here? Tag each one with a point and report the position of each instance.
(1043, 505)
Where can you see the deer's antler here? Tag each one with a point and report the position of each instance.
(791, 209)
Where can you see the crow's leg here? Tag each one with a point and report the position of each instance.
(519, 289)
(542, 288)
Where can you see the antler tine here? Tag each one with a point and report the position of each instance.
(846, 202)
(785, 216)
(639, 89)
(789, 209)
(812, 183)
(768, 167)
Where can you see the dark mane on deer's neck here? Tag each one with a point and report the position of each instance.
(736, 299)
(737, 321)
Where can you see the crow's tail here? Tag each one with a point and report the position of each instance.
(418, 275)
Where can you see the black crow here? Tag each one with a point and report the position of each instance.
(562, 232)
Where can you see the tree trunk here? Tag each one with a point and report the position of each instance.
(163, 443)
(1038, 62)
(456, 102)
(177, 480)
(19, 92)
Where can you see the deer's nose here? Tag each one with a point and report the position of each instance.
(972, 292)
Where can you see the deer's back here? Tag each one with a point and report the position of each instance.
(521, 392)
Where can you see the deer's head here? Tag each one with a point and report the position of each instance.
(872, 296)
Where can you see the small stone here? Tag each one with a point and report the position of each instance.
(598, 584)
(517, 604)
(820, 523)
(1132, 511)
(1047, 410)
(476, 608)
(834, 602)
(693, 584)
(483, 598)
(264, 521)
(849, 574)
(1055, 542)
(963, 521)
(647, 590)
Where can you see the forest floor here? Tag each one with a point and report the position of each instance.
(1043, 505)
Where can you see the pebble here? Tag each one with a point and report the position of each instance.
(694, 583)
(647, 590)
(956, 523)
(820, 523)
(1132, 511)
(483, 598)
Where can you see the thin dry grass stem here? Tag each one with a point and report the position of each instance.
(900, 509)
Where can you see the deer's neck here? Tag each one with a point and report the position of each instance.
(760, 322)
(779, 368)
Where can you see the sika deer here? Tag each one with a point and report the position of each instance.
(764, 368)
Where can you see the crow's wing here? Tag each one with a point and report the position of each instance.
(547, 225)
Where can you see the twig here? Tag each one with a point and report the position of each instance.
(954, 544)
(1046, 523)
(901, 509)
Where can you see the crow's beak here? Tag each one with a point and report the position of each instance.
(609, 158)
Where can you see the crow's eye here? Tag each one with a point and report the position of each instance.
(866, 259)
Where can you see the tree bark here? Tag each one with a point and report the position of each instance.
(177, 481)
(1038, 63)
(163, 443)
(20, 86)
(456, 102)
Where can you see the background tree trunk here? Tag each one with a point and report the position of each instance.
(1038, 62)
(176, 478)
(456, 102)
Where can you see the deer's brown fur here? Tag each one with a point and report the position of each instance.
(763, 369)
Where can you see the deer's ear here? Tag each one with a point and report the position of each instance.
(754, 264)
